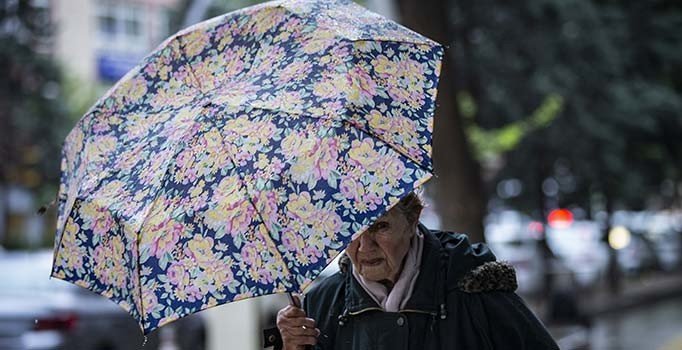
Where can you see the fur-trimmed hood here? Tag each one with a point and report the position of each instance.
(491, 276)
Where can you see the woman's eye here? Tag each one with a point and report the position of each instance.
(380, 226)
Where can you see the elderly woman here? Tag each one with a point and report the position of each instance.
(406, 287)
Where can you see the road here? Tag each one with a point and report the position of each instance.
(653, 327)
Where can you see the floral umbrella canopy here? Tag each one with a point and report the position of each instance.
(242, 155)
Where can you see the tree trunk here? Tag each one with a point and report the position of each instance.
(457, 189)
(6, 159)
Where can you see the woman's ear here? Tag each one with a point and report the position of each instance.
(344, 262)
(416, 221)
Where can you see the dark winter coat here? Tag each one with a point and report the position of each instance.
(463, 300)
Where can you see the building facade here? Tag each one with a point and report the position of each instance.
(100, 40)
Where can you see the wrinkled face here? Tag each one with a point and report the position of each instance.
(377, 254)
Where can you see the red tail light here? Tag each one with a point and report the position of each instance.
(65, 322)
(560, 218)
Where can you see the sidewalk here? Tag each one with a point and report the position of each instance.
(634, 292)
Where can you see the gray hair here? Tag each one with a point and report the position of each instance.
(411, 206)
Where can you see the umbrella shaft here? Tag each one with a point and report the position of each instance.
(294, 301)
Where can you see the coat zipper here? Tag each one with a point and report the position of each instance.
(419, 312)
(363, 310)
(355, 313)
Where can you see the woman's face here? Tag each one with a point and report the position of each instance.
(377, 254)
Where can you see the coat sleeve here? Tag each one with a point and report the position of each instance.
(511, 324)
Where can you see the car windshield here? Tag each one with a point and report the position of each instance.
(28, 272)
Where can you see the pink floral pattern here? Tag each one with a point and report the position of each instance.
(243, 155)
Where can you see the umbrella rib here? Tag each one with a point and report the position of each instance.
(186, 64)
(139, 238)
(394, 148)
(139, 274)
(268, 236)
(146, 218)
(352, 63)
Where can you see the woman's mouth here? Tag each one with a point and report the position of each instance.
(372, 262)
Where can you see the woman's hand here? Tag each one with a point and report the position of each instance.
(297, 330)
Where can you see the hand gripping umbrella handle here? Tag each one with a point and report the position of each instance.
(293, 301)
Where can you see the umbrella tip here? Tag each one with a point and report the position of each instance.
(45, 207)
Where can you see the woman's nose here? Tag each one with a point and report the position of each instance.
(366, 242)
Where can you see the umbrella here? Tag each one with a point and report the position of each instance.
(242, 155)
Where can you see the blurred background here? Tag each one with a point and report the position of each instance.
(558, 140)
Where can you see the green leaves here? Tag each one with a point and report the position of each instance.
(489, 144)
(583, 90)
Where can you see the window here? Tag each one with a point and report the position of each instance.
(163, 25)
(107, 25)
(120, 26)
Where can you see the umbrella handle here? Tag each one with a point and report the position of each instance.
(294, 301)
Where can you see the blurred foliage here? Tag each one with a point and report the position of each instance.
(603, 77)
(32, 110)
(490, 144)
(80, 95)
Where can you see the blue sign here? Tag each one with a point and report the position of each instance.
(113, 66)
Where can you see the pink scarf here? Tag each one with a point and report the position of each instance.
(396, 298)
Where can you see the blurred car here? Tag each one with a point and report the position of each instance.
(638, 255)
(38, 312)
(541, 274)
(512, 237)
(656, 240)
(664, 231)
(581, 248)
